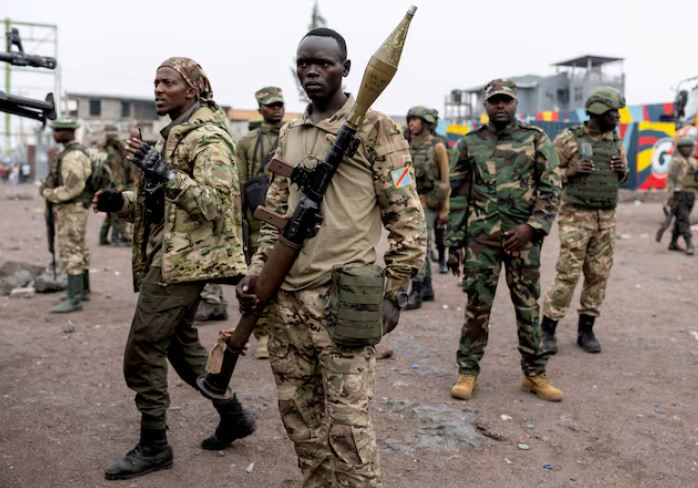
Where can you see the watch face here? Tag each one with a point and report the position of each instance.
(401, 299)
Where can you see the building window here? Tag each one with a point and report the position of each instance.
(95, 107)
(125, 110)
(578, 94)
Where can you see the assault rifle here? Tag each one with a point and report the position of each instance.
(40, 110)
(306, 218)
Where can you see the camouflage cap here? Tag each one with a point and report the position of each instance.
(501, 86)
(269, 95)
(64, 122)
(424, 113)
(603, 99)
(193, 74)
(686, 141)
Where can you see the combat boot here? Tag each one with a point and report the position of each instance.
(427, 290)
(211, 311)
(464, 387)
(152, 453)
(541, 386)
(72, 302)
(548, 327)
(414, 301)
(585, 334)
(262, 351)
(674, 244)
(689, 246)
(443, 269)
(103, 233)
(235, 423)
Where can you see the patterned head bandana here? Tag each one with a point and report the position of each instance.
(193, 75)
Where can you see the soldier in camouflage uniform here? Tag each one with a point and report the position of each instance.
(505, 189)
(324, 388)
(430, 161)
(65, 188)
(117, 167)
(440, 227)
(681, 187)
(186, 213)
(593, 164)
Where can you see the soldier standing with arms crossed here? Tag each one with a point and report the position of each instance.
(681, 187)
(323, 387)
(187, 221)
(593, 164)
(66, 189)
(505, 189)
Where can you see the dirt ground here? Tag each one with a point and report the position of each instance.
(629, 418)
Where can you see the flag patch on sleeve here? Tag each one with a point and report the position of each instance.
(401, 177)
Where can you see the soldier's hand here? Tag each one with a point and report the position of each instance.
(584, 166)
(391, 315)
(517, 238)
(618, 165)
(107, 201)
(245, 293)
(443, 216)
(454, 260)
(148, 160)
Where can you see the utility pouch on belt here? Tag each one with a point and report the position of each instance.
(356, 306)
(255, 191)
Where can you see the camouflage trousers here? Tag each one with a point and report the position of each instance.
(71, 220)
(323, 393)
(483, 264)
(684, 205)
(430, 216)
(587, 239)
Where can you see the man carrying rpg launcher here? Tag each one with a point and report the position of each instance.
(186, 216)
(334, 302)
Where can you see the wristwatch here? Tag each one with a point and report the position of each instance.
(399, 298)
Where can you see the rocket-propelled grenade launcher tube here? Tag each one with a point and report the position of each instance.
(306, 218)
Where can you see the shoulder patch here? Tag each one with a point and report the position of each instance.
(401, 177)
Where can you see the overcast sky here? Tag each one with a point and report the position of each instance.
(114, 47)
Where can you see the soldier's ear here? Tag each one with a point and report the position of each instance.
(191, 93)
(347, 68)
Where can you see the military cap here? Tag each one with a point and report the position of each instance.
(423, 113)
(64, 122)
(603, 99)
(686, 141)
(501, 86)
(269, 95)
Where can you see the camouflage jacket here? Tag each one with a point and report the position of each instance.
(68, 177)
(202, 238)
(500, 180)
(117, 167)
(252, 152)
(372, 189)
(682, 174)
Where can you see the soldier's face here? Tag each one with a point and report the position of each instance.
(272, 113)
(320, 67)
(172, 94)
(63, 135)
(415, 126)
(685, 150)
(501, 109)
(608, 121)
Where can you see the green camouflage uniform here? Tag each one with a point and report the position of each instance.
(323, 388)
(682, 186)
(195, 239)
(65, 188)
(515, 180)
(117, 167)
(586, 221)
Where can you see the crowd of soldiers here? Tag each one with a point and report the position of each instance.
(192, 210)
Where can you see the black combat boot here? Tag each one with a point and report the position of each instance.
(235, 423)
(427, 290)
(689, 246)
(585, 334)
(152, 453)
(548, 326)
(674, 244)
(414, 301)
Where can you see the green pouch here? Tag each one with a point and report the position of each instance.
(355, 316)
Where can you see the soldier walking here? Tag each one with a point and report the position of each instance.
(186, 232)
(593, 163)
(67, 190)
(323, 387)
(681, 187)
(505, 190)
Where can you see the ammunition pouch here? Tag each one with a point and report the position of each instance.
(255, 192)
(355, 316)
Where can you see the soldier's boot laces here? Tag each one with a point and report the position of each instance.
(464, 387)
(689, 246)
(152, 453)
(262, 351)
(541, 386)
(548, 327)
(414, 301)
(235, 423)
(585, 334)
(72, 302)
(427, 290)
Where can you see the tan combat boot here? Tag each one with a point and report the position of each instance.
(262, 352)
(463, 389)
(541, 386)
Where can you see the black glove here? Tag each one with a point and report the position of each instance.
(154, 168)
(454, 259)
(391, 315)
(109, 201)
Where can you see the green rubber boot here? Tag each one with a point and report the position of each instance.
(72, 303)
(86, 286)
